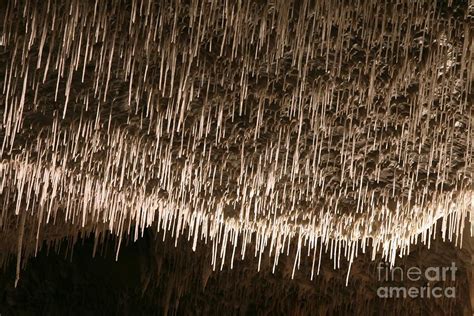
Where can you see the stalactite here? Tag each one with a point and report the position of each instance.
(279, 124)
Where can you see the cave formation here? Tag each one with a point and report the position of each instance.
(235, 157)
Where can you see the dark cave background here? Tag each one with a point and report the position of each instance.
(153, 277)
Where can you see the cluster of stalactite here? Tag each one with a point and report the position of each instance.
(321, 125)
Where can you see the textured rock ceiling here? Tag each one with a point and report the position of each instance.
(329, 126)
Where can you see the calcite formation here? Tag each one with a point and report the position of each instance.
(327, 126)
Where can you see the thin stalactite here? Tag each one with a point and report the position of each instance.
(276, 124)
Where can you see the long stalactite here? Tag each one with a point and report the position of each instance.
(329, 126)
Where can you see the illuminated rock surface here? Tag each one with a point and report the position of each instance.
(258, 130)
